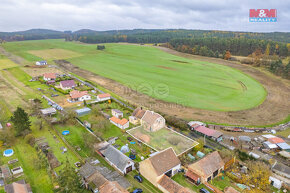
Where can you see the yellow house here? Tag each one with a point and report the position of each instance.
(160, 164)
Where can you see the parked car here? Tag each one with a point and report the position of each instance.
(138, 190)
(138, 178)
(181, 170)
(203, 190)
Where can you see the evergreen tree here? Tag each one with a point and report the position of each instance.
(69, 181)
(21, 122)
(216, 54)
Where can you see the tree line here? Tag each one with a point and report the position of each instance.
(237, 46)
(137, 35)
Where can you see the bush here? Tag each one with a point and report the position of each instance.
(176, 122)
(100, 47)
(174, 140)
(30, 139)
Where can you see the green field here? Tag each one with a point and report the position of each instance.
(151, 71)
(5, 63)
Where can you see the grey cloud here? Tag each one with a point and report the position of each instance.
(129, 14)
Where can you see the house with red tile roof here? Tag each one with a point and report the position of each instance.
(103, 97)
(122, 124)
(276, 140)
(76, 95)
(49, 76)
(210, 133)
(206, 169)
(152, 121)
(67, 84)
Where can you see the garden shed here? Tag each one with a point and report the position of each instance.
(83, 111)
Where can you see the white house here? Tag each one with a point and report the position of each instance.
(103, 97)
(122, 124)
(79, 95)
(117, 113)
(41, 63)
(118, 160)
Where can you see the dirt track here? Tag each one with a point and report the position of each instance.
(275, 108)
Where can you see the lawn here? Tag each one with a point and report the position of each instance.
(179, 178)
(222, 183)
(162, 139)
(75, 138)
(159, 74)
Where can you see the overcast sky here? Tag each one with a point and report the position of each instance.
(73, 15)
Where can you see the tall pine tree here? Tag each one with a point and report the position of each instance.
(69, 181)
(21, 122)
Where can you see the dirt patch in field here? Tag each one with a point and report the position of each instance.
(35, 71)
(55, 53)
(143, 137)
(166, 67)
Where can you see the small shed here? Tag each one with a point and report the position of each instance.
(254, 155)
(191, 157)
(269, 145)
(245, 138)
(83, 111)
(48, 111)
(117, 113)
(268, 136)
(284, 146)
(200, 154)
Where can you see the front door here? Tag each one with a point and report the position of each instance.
(128, 169)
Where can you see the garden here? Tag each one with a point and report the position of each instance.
(163, 139)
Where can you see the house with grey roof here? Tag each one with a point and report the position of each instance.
(118, 160)
(92, 179)
(281, 170)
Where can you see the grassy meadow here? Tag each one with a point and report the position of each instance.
(153, 72)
